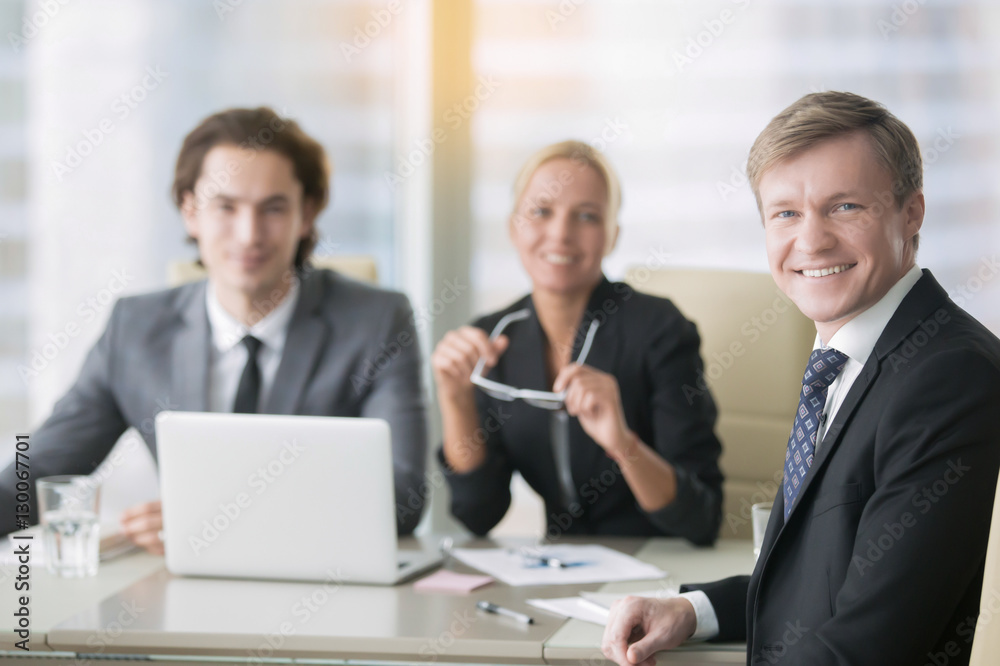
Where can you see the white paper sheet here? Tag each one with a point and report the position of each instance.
(605, 599)
(585, 564)
(594, 606)
(575, 607)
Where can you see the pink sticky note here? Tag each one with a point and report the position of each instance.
(443, 580)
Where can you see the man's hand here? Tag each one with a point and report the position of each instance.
(142, 524)
(638, 628)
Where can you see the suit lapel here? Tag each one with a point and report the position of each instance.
(190, 353)
(308, 334)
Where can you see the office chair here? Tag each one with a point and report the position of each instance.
(358, 267)
(986, 644)
(754, 344)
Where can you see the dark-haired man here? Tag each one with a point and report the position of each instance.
(265, 332)
(874, 550)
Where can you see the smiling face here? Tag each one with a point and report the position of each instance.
(837, 241)
(558, 227)
(249, 229)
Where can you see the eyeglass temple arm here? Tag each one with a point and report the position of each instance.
(497, 330)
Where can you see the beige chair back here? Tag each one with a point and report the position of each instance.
(358, 267)
(986, 644)
(755, 344)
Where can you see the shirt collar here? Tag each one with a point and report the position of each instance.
(857, 337)
(272, 330)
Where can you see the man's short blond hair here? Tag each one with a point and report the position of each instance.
(825, 115)
(582, 154)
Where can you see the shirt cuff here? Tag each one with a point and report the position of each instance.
(707, 621)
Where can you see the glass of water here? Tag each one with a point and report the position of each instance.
(760, 513)
(70, 529)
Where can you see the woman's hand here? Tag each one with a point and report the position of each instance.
(593, 398)
(453, 360)
(456, 356)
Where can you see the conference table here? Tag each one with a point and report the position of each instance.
(135, 609)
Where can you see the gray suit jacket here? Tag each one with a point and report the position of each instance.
(351, 351)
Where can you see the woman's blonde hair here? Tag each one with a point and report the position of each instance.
(581, 154)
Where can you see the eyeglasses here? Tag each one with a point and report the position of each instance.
(542, 399)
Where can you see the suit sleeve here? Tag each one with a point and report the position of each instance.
(396, 395)
(729, 601)
(683, 422)
(83, 427)
(922, 535)
(481, 496)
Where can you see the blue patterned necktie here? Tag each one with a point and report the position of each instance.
(824, 366)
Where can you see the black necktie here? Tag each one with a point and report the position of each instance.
(249, 389)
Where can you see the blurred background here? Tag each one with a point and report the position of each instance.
(427, 109)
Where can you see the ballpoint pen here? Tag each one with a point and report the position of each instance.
(500, 610)
(544, 560)
(547, 561)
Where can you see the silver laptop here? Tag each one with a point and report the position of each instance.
(281, 497)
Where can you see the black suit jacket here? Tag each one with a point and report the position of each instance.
(881, 559)
(652, 350)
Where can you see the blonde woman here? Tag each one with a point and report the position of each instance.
(579, 385)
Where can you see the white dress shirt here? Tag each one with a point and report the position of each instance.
(857, 340)
(228, 357)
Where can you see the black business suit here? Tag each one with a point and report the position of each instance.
(869, 568)
(652, 350)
